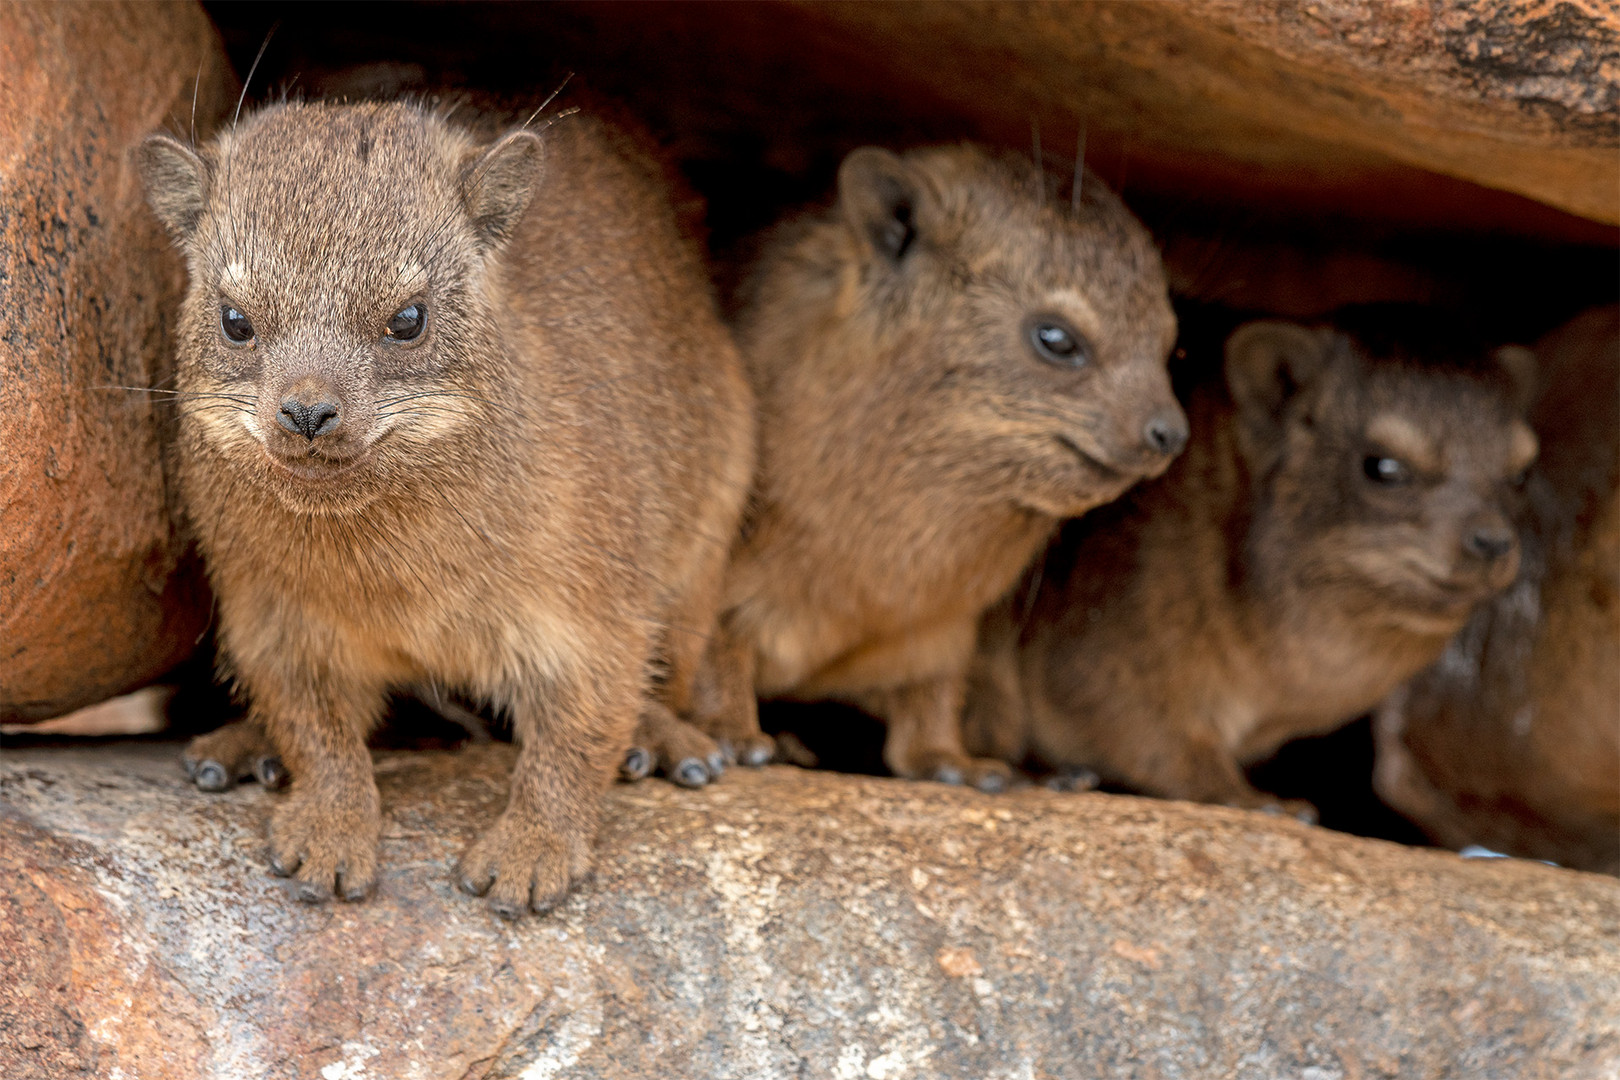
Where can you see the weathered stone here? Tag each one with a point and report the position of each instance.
(1513, 739)
(1335, 95)
(96, 591)
(782, 924)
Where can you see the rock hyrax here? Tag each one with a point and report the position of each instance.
(947, 364)
(453, 413)
(1512, 740)
(1342, 508)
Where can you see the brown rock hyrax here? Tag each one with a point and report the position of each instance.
(1343, 506)
(947, 363)
(1512, 740)
(456, 414)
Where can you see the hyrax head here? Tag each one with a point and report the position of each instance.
(1034, 331)
(1390, 455)
(336, 317)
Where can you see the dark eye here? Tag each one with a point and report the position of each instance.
(234, 325)
(406, 323)
(1386, 470)
(1058, 343)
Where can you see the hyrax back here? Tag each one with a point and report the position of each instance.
(1343, 506)
(946, 364)
(452, 414)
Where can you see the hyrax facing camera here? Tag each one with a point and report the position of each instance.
(454, 414)
(1338, 515)
(947, 363)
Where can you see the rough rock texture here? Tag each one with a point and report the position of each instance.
(1329, 94)
(782, 924)
(96, 593)
(1513, 739)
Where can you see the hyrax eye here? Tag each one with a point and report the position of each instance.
(235, 325)
(1386, 470)
(406, 323)
(1057, 343)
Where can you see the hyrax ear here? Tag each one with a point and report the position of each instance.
(879, 195)
(175, 180)
(498, 184)
(1267, 363)
(1523, 372)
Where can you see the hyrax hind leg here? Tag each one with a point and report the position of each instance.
(573, 731)
(237, 751)
(924, 740)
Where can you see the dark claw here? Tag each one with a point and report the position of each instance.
(638, 763)
(992, 783)
(211, 776)
(310, 893)
(471, 887)
(506, 910)
(1073, 779)
(755, 756)
(717, 764)
(351, 893)
(691, 773)
(270, 772)
(547, 903)
(281, 869)
(948, 774)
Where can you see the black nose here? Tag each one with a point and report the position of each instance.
(308, 420)
(1491, 542)
(1166, 432)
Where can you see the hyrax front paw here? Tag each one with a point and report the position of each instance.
(671, 746)
(327, 844)
(947, 767)
(523, 864)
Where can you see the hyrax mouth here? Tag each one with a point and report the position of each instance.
(1108, 473)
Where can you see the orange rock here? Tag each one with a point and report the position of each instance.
(97, 593)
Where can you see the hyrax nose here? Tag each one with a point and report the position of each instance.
(310, 408)
(1166, 432)
(308, 420)
(1490, 541)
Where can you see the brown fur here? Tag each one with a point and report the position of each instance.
(530, 503)
(1512, 740)
(915, 451)
(1266, 587)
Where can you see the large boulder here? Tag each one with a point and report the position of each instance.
(97, 593)
(781, 924)
(1512, 740)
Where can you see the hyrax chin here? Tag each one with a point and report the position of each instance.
(1335, 520)
(946, 363)
(451, 414)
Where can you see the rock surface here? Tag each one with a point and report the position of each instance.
(781, 924)
(96, 592)
(1330, 94)
(1512, 740)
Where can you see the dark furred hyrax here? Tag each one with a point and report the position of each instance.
(947, 363)
(454, 414)
(1338, 515)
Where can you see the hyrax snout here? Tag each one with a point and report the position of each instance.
(947, 362)
(1346, 501)
(452, 413)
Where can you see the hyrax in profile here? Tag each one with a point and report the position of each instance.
(947, 364)
(1335, 520)
(457, 414)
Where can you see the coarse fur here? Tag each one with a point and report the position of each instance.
(916, 450)
(529, 502)
(1512, 739)
(1274, 583)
